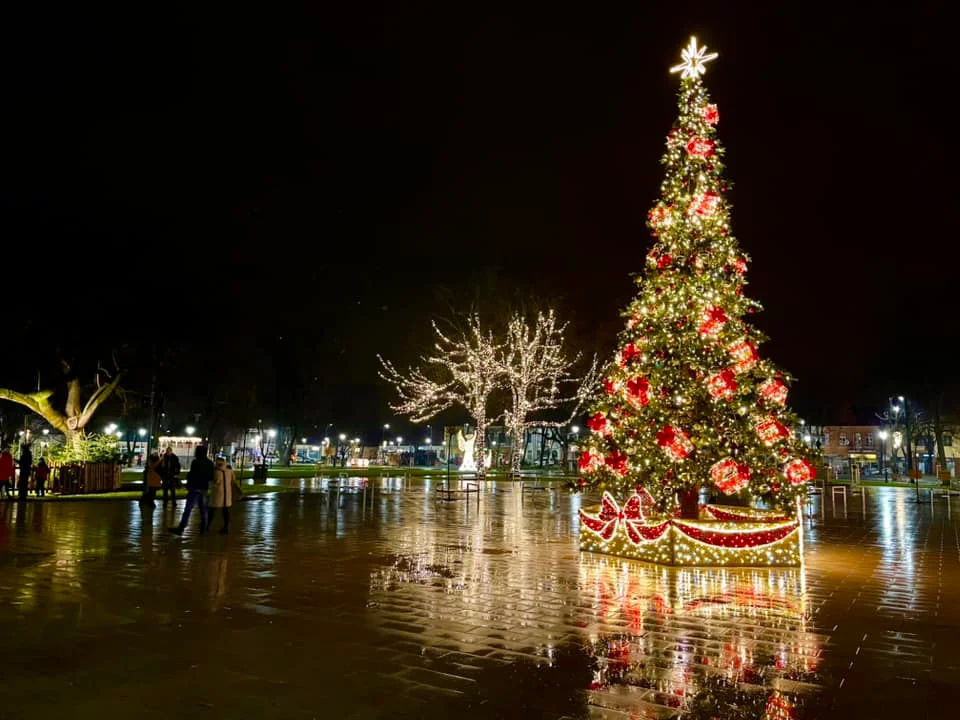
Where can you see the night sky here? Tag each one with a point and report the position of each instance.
(293, 193)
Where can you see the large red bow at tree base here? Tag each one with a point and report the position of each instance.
(606, 523)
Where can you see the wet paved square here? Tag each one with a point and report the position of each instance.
(393, 603)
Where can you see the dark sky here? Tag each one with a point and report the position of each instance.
(312, 180)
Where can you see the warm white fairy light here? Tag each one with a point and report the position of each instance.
(694, 60)
(535, 366)
(463, 370)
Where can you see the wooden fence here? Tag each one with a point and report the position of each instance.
(80, 478)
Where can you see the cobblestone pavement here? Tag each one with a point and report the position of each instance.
(393, 603)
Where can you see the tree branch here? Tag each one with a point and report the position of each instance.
(97, 399)
(38, 402)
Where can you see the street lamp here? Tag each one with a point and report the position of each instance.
(883, 435)
(399, 440)
(271, 433)
(119, 434)
(141, 432)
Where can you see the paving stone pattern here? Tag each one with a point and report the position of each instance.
(392, 603)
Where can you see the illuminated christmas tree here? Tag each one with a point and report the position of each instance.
(688, 402)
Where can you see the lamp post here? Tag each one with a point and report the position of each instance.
(882, 434)
(383, 444)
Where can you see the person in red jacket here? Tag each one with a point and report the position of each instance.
(7, 473)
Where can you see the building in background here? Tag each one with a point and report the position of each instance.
(846, 446)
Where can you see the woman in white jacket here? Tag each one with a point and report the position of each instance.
(221, 494)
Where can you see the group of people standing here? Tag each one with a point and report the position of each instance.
(209, 486)
(9, 478)
(161, 472)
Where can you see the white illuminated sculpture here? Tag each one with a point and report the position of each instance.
(466, 445)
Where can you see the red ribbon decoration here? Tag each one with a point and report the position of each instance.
(742, 539)
(719, 514)
(606, 523)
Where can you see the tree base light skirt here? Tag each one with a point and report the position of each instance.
(728, 536)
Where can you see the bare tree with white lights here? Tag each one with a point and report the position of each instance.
(463, 370)
(540, 376)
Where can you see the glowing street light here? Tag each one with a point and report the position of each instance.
(119, 434)
(399, 440)
(191, 429)
(428, 441)
(303, 440)
(271, 433)
(141, 432)
(342, 437)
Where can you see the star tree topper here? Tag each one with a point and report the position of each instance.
(694, 61)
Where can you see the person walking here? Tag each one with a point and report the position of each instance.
(152, 480)
(170, 474)
(198, 482)
(26, 467)
(221, 494)
(42, 474)
(7, 473)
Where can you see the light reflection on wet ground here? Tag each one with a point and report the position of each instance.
(390, 603)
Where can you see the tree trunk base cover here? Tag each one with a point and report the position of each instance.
(725, 536)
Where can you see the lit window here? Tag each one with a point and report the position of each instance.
(857, 441)
(843, 439)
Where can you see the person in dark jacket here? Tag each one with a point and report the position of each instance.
(170, 474)
(42, 473)
(26, 466)
(198, 483)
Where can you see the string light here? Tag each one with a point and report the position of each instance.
(464, 370)
(535, 366)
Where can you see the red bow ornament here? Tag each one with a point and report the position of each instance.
(771, 430)
(722, 385)
(705, 204)
(589, 462)
(605, 524)
(638, 392)
(598, 423)
(674, 443)
(629, 353)
(729, 476)
(700, 147)
(745, 355)
(799, 471)
(711, 116)
(617, 462)
(774, 391)
(712, 321)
